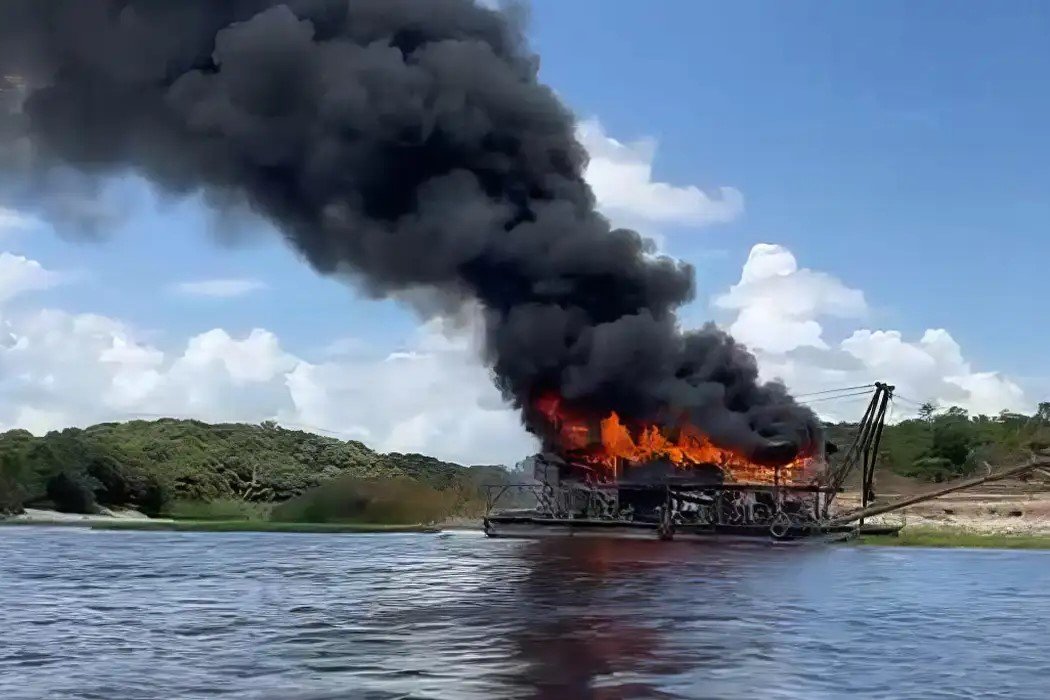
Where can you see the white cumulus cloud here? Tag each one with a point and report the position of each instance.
(11, 220)
(778, 311)
(778, 304)
(621, 176)
(19, 275)
(433, 397)
(59, 369)
(220, 288)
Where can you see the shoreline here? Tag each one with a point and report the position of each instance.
(1014, 518)
(262, 526)
(953, 538)
(928, 537)
(134, 521)
(226, 526)
(972, 521)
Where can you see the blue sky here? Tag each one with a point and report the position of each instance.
(892, 150)
(158, 243)
(900, 145)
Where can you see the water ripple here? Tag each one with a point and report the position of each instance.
(311, 617)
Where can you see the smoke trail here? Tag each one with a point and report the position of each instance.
(407, 142)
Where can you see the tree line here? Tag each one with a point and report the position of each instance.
(944, 444)
(151, 465)
(154, 465)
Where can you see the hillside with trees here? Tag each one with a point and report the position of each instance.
(940, 445)
(151, 465)
(168, 465)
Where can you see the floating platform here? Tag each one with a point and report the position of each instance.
(526, 525)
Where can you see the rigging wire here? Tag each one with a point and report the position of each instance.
(860, 400)
(835, 398)
(835, 391)
(908, 400)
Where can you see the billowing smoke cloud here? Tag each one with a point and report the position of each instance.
(406, 144)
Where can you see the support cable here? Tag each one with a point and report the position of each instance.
(833, 391)
(834, 398)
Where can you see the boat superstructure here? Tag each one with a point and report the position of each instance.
(657, 500)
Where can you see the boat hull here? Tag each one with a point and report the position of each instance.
(532, 527)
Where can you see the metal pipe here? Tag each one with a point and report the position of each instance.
(1037, 462)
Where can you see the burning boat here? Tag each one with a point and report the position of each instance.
(603, 476)
(419, 156)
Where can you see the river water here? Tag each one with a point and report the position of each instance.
(115, 615)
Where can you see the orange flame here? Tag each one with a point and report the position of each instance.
(614, 445)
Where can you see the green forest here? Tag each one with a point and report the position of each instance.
(193, 469)
(189, 469)
(940, 445)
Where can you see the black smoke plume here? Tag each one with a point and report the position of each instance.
(407, 143)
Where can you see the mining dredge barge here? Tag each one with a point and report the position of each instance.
(702, 502)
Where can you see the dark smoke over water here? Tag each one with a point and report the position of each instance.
(407, 142)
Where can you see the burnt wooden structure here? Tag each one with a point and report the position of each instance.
(657, 501)
(697, 503)
(654, 502)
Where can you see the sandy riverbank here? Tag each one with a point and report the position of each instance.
(134, 520)
(39, 516)
(981, 513)
(964, 519)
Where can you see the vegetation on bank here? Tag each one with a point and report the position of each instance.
(943, 537)
(230, 472)
(193, 471)
(941, 445)
(219, 510)
(386, 501)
